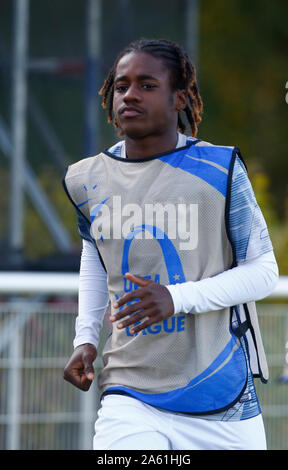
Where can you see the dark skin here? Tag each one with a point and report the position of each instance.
(155, 305)
(146, 110)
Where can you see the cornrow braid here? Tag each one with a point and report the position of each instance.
(183, 77)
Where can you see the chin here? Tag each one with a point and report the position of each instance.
(134, 132)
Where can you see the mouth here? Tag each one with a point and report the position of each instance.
(130, 111)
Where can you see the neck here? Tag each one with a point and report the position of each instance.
(151, 145)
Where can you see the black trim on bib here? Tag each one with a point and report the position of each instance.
(235, 153)
(246, 325)
(78, 211)
(152, 157)
(247, 313)
(241, 329)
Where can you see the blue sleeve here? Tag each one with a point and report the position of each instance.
(84, 227)
(248, 229)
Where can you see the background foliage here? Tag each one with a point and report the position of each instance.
(242, 72)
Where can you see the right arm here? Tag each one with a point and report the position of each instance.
(93, 297)
(93, 300)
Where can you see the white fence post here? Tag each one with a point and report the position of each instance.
(14, 390)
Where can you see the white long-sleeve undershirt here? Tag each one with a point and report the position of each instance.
(251, 280)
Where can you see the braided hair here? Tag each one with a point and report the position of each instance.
(183, 77)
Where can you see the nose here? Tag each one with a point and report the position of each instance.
(132, 93)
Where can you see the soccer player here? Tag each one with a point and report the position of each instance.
(174, 243)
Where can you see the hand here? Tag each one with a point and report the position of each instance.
(79, 370)
(155, 304)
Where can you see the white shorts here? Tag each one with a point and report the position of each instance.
(125, 423)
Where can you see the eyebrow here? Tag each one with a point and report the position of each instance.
(140, 77)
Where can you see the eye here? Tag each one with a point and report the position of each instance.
(149, 86)
(121, 88)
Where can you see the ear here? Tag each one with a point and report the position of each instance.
(180, 100)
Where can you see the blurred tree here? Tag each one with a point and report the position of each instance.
(38, 240)
(242, 71)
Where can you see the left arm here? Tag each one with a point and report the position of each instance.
(251, 280)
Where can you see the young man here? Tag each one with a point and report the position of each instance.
(174, 240)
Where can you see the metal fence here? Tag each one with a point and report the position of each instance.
(40, 411)
(273, 396)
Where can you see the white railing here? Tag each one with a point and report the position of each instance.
(67, 283)
(39, 410)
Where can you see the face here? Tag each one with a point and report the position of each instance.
(144, 103)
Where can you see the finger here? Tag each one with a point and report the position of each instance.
(85, 384)
(134, 295)
(89, 372)
(74, 377)
(150, 319)
(88, 366)
(141, 281)
(70, 378)
(129, 310)
(81, 381)
(136, 317)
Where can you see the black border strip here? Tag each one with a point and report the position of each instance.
(152, 157)
(236, 153)
(247, 313)
(77, 209)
